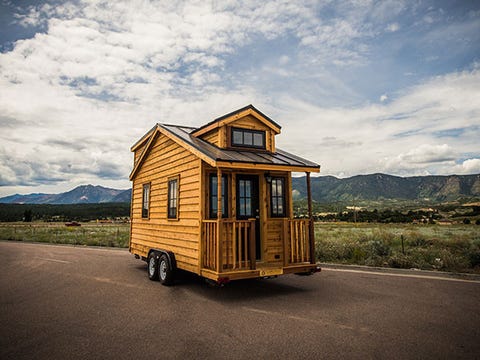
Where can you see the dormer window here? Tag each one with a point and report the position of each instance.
(248, 138)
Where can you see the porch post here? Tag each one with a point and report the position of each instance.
(311, 232)
(219, 217)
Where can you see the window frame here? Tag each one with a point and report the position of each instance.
(248, 131)
(225, 201)
(175, 199)
(145, 211)
(274, 209)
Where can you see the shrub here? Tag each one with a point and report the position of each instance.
(400, 261)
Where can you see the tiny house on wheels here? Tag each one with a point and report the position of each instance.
(217, 201)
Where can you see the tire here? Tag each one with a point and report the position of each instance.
(152, 266)
(165, 271)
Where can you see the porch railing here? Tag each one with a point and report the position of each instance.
(296, 241)
(232, 249)
(229, 244)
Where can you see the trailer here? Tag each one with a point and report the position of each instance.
(217, 201)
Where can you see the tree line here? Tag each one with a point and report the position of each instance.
(68, 212)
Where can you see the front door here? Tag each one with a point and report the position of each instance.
(248, 205)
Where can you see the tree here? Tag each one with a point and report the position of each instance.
(27, 215)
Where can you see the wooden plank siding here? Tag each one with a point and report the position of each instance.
(211, 137)
(274, 241)
(165, 160)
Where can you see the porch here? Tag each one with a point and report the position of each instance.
(228, 245)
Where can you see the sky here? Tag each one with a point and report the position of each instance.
(358, 86)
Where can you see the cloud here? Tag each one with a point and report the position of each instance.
(405, 136)
(393, 27)
(469, 166)
(98, 74)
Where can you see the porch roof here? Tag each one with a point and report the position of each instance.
(227, 158)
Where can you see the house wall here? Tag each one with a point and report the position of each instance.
(211, 137)
(167, 159)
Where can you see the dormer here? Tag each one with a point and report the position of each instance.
(243, 129)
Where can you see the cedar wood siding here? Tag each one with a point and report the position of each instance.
(212, 137)
(167, 159)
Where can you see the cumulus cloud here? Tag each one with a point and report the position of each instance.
(98, 74)
(401, 137)
(469, 166)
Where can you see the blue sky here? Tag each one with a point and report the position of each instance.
(358, 86)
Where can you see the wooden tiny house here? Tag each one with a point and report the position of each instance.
(240, 227)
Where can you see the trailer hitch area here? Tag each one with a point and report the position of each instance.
(220, 282)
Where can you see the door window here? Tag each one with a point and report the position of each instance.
(245, 198)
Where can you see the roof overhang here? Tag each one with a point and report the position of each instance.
(265, 167)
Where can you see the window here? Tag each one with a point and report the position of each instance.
(277, 197)
(248, 138)
(214, 197)
(145, 200)
(244, 197)
(173, 198)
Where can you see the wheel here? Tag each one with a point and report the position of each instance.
(152, 267)
(165, 271)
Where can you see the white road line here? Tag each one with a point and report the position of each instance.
(402, 275)
(55, 260)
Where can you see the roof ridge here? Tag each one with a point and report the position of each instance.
(249, 106)
(176, 125)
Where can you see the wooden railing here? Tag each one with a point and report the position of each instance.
(236, 250)
(229, 245)
(209, 246)
(296, 244)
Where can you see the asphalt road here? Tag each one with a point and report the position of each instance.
(62, 302)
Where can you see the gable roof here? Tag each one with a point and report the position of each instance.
(226, 158)
(235, 115)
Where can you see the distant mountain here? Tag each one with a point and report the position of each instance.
(325, 189)
(377, 187)
(85, 194)
(124, 196)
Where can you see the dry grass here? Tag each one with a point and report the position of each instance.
(92, 234)
(432, 247)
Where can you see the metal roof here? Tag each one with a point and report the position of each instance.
(279, 158)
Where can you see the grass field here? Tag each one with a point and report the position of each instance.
(91, 234)
(429, 247)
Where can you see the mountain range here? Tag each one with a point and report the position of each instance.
(84, 194)
(378, 187)
(325, 189)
